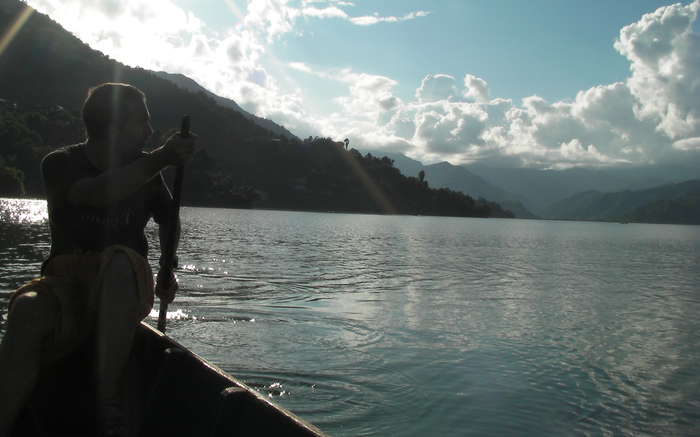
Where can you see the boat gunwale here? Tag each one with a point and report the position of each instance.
(150, 330)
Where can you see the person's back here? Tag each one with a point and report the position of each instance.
(100, 195)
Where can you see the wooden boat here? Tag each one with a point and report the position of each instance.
(170, 390)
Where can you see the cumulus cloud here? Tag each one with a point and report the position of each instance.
(447, 121)
(664, 53)
(436, 87)
(652, 117)
(476, 88)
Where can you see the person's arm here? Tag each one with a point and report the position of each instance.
(117, 184)
(56, 173)
(166, 282)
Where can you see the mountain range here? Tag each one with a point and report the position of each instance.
(576, 193)
(446, 175)
(538, 189)
(670, 203)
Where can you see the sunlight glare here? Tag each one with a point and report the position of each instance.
(372, 188)
(14, 28)
(178, 314)
(23, 211)
(235, 9)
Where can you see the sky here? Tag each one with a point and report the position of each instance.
(507, 83)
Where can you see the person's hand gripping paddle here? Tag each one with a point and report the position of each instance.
(166, 270)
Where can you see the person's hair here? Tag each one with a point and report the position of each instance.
(107, 106)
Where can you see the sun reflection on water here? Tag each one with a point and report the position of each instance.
(23, 211)
(178, 314)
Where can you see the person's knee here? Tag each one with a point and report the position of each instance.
(120, 270)
(119, 293)
(32, 313)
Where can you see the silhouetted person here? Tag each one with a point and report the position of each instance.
(100, 195)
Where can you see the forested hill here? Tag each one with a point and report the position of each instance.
(44, 75)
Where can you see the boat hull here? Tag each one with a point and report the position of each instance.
(169, 391)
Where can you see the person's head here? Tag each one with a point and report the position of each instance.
(116, 114)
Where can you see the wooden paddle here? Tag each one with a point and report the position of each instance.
(171, 237)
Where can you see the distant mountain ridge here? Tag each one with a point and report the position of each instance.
(189, 84)
(538, 189)
(639, 194)
(670, 203)
(446, 175)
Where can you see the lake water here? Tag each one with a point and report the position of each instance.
(372, 325)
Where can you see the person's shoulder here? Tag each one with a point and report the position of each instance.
(65, 152)
(60, 157)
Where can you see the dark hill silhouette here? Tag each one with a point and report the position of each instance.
(45, 73)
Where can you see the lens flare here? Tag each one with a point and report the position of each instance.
(12, 31)
(370, 185)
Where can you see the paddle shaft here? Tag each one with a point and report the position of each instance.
(169, 248)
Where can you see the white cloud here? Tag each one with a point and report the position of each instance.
(369, 20)
(121, 28)
(574, 152)
(276, 17)
(300, 66)
(664, 53)
(328, 12)
(335, 2)
(688, 144)
(476, 88)
(370, 96)
(435, 87)
(269, 19)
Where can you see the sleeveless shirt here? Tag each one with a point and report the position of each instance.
(87, 229)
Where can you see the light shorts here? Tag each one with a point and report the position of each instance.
(73, 282)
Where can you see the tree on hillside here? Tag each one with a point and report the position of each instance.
(16, 141)
(11, 182)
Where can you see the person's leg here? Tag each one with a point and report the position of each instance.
(118, 317)
(30, 321)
